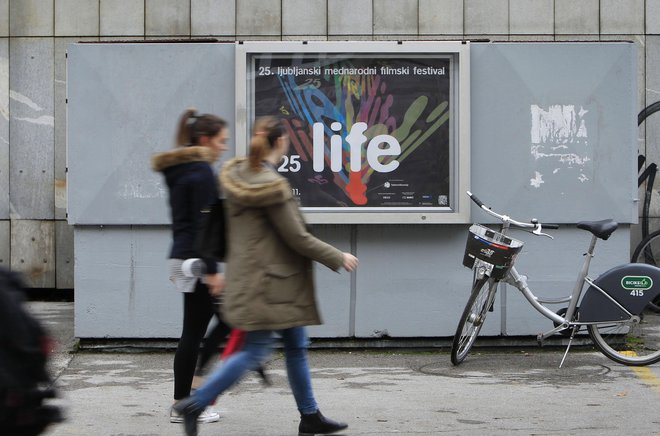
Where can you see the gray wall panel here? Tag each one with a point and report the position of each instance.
(531, 17)
(395, 17)
(121, 18)
(5, 244)
(31, 128)
(60, 124)
(441, 17)
(350, 17)
(33, 251)
(31, 18)
(560, 144)
(4, 17)
(622, 16)
(652, 17)
(577, 18)
(77, 18)
(64, 258)
(212, 17)
(410, 281)
(333, 289)
(147, 87)
(124, 290)
(4, 128)
(167, 17)
(258, 17)
(486, 16)
(305, 17)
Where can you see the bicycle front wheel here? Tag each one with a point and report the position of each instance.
(474, 315)
(634, 343)
(648, 252)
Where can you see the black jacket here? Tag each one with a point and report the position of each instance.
(22, 353)
(192, 186)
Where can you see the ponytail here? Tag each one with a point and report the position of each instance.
(183, 135)
(193, 126)
(265, 133)
(259, 149)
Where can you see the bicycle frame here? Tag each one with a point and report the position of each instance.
(514, 278)
(519, 281)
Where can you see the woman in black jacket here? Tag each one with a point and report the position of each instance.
(192, 185)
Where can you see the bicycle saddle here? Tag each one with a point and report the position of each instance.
(602, 229)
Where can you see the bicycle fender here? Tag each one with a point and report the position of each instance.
(632, 285)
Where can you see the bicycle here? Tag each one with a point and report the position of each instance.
(613, 308)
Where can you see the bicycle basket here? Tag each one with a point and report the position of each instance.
(492, 247)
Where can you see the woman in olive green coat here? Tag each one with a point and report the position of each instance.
(270, 283)
(269, 277)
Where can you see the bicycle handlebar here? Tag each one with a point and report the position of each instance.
(534, 224)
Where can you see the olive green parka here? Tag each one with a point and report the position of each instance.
(269, 275)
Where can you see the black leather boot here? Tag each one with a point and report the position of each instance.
(316, 423)
(190, 411)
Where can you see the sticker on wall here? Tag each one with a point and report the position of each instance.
(559, 144)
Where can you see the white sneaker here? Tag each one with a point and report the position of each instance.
(208, 415)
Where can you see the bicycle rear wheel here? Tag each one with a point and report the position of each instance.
(474, 315)
(630, 343)
(648, 252)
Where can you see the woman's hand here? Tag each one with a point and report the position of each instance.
(215, 283)
(350, 262)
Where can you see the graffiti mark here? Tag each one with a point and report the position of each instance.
(537, 181)
(559, 137)
(560, 124)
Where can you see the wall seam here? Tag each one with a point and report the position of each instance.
(463, 13)
(418, 19)
(353, 284)
(554, 20)
(9, 220)
(508, 18)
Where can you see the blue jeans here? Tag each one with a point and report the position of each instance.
(257, 347)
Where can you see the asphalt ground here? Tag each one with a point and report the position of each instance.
(377, 392)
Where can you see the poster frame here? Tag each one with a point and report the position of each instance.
(459, 144)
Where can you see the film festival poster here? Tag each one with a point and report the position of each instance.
(366, 131)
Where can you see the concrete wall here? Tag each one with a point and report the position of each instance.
(34, 34)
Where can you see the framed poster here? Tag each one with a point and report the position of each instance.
(379, 131)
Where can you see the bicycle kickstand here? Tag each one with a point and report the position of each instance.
(570, 341)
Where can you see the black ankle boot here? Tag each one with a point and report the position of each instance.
(316, 423)
(190, 411)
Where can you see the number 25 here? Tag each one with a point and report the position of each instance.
(290, 164)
